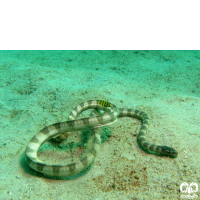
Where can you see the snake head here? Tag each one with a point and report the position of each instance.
(169, 152)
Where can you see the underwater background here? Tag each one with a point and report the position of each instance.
(39, 88)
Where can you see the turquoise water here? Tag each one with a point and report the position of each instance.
(39, 88)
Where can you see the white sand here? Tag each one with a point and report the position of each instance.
(41, 88)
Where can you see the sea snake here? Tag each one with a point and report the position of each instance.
(60, 131)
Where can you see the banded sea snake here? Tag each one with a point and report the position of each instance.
(109, 116)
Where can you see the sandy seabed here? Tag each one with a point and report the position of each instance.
(39, 88)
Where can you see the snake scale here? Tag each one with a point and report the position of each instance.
(60, 131)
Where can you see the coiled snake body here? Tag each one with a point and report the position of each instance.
(60, 131)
